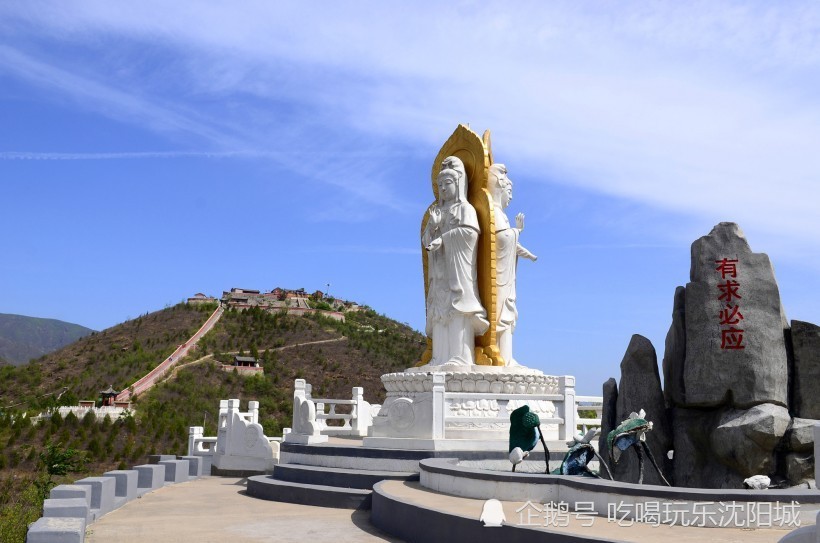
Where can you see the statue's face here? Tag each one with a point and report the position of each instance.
(504, 185)
(506, 196)
(447, 188)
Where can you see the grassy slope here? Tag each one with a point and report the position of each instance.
(123, 353)
(117, 356)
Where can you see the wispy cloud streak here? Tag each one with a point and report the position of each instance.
(11, 155)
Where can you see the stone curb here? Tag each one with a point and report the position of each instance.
(70, 508)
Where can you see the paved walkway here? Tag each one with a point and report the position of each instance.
(215, 509)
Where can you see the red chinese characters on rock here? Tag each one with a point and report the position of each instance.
(729, 317)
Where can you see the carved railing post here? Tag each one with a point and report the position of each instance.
(362, 418)
(194, 433)
(438, 405)
(222, 427)
(569, 410)
(253, 410)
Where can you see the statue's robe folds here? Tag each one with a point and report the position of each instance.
(507, 258)
(454, 312)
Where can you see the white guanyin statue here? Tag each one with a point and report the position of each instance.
(454, 312)
(508, 249)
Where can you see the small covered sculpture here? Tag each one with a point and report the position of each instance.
(524, 435)
(631, 433)
(579, 455)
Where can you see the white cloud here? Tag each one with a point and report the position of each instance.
(700, 108)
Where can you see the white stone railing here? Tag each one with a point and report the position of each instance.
(240, 443)
(311, 415)
(566, 406)
(100, 413)
(589, 403)
(201, 446)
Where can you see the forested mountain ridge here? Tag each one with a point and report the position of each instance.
(23, 338)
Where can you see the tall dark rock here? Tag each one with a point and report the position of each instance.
(727, 364)
(640, 388)
(609, 417)
(735, 349)
(806, 378)
(674, 353)
(694, 463)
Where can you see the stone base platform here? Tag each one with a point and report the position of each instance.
(351, 454)
(446, 408)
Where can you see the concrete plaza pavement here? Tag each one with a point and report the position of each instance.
(215, 509)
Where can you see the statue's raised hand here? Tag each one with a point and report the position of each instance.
(435, 217)
(519, 221)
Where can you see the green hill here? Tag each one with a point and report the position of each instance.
(23, 338)
(333, 356)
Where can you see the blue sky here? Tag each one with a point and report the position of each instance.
(152, 150)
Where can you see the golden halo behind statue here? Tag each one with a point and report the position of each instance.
(476, 155)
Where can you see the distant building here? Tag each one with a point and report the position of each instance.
(243, 291)
(244, 365)
(108, 396)
(294, 301)
(245, 361)
(200, 298)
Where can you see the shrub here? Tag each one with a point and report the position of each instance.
(89, 419)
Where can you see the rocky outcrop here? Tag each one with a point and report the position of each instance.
(799, 467)
(800, 436)
(694, 463)
(640, 388)
(806, 348)
(734, 373)
(735, 348)
(674, 353)
(745, 440)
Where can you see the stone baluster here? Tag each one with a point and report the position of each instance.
(569, 409)
(438, 405)
(300, 392)
(362, 418)
(194, 433)
(222, 427)
(253, 411)
(233, 407)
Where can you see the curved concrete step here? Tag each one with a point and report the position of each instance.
(338, 477)
(265, 487)
(413, 513)
(354, 456)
